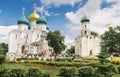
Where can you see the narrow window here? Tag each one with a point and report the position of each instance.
(85, 32)
(38, 35)
(85, 26)
(16, 36)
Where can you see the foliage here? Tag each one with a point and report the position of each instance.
(17, 73)
(86, 71)
(118, 69)
(45, 74)
(56, 40)
(110, 41)
(19, 59)
(3, 48)
(71, 50)
(104, 70)
(34, 72)
(116, 60)
(102, 57)
(63, 59)
(67, 72)
(2, 67)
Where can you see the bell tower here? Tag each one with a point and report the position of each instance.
(85, 26)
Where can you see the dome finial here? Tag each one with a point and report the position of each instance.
(110, 27)
(23, 11)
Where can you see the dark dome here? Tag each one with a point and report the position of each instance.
(41, 20)
(23, 20)
(84, 19)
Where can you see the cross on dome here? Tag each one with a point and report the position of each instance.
(23, 10)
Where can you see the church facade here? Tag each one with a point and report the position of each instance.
(87, 44)
(29, 40)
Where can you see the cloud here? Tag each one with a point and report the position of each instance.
(58, 3)
(4, 30)
(99, 18)
(43, 10)
(68, 41)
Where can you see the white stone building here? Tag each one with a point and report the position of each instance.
(29, 40)
(87, 44)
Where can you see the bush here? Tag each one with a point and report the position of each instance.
(45, 74)
(105, 70)
(67, 72)
(118, 69)
(85, 71)
(34, 72)
(17, 73)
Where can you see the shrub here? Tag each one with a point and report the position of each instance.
(17, 73)
(105, 70)
(34, 72)
(85, 71)
(116, 60)
(67, 72)
(45, 74)
(118, 69)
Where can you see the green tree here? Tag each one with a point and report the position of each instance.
(110, 41)
(102, 57)
(56, 40)
(3, 48)
(3, 70)
(71, 50)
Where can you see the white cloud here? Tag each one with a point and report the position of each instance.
(99, 17)
(4, 30)
(43, 11)
(58, 3)
(69, 41)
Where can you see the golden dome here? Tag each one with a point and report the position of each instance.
(34, 16)
(110, 27)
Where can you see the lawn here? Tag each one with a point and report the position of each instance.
(53, 70)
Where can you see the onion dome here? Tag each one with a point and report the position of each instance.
(33, 16)
(110, 27)
(23, 20)
(84, 19)
(41, 20)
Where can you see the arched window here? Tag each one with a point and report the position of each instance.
(85, 32)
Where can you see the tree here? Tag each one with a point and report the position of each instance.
(3, 48)
(56, 40)
(3, 70)
(102, 57)
(110, 41)
(71, 50)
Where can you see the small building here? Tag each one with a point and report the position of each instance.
(87, 44)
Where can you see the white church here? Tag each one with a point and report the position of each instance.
(29, 40)
(87, 44)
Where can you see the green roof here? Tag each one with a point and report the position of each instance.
(41, 20)
(23, 20)
(84, 19)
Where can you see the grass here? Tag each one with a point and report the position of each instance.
(52, 70)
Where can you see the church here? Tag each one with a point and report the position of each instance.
(87, 44)
(29, 40)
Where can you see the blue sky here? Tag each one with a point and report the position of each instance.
(62, 15)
